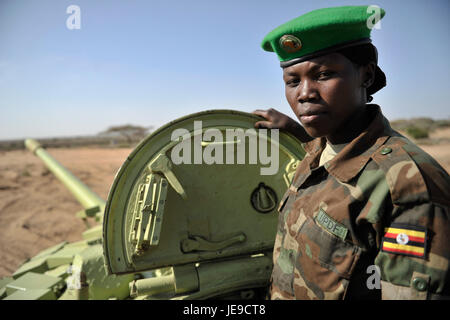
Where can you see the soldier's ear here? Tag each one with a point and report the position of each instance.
(368, 74)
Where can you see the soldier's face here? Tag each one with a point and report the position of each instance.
(324, 93)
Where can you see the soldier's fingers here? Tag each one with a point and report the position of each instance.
(263, 124)
(260, 112)
(265, 114)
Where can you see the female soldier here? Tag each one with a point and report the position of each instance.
(367, 213)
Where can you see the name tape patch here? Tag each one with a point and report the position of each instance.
(331, 225)
(405, 240)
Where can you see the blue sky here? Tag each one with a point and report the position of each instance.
(150, 62)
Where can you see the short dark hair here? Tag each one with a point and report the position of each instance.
(362, 55)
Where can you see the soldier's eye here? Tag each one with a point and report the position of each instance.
(292, 82)
(324, 75)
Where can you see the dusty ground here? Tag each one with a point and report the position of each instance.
(438, 146)
(36, 211)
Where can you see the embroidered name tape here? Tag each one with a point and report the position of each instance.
(405, 239)
(331, 225)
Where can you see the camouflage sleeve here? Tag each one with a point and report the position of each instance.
(414, 239)
(414, 254)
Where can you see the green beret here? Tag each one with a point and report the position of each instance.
(320, 32)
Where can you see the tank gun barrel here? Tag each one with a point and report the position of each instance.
(86, 197)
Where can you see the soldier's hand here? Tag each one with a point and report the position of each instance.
(277, 120)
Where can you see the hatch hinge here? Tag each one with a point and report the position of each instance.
(148, 213)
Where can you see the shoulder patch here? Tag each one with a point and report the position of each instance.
(403, 239)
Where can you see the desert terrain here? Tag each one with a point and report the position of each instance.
(36, 210)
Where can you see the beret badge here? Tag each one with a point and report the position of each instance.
(290, 43)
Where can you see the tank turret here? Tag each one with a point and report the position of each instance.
(191, 214)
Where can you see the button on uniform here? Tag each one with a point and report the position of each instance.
(419, 284)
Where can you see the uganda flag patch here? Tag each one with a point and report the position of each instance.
(405, 239)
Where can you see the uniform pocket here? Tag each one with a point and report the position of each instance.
(324, 262)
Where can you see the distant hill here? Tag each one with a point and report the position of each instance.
(115, 136)
(419, 128)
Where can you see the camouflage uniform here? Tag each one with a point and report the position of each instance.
(381, 201)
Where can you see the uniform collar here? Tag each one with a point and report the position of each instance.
(350, 160)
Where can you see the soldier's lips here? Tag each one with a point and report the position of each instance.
(312, 117)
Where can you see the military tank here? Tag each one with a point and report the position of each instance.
(191, 214)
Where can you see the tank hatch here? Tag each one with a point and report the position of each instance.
(201, 188)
